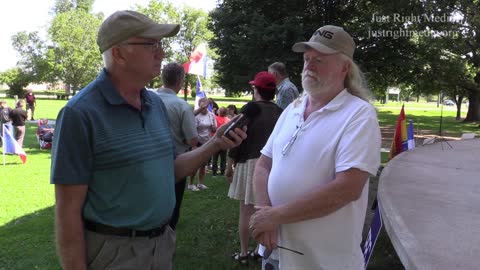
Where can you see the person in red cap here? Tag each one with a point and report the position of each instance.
(330, 138)
(245, 156)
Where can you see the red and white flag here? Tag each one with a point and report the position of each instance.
(11, 146)
(198, 61)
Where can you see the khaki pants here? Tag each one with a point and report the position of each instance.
(30, 112)
(19, 134)
(122, 253)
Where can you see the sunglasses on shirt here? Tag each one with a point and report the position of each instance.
(268, 252)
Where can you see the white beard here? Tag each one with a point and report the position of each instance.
(314, 85)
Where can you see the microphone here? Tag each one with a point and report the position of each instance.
(248, 112)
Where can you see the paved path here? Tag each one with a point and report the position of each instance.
(429, 198)
(445, 108)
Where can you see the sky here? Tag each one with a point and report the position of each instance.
(34, 15)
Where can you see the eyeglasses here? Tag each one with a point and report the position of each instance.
(156, 46)
(268, 252)
(289, 144)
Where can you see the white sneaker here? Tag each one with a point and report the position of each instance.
(201, 186)
(192, 188)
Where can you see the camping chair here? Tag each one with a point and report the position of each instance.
(42, 143)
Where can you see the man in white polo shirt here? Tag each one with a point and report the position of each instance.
(311, 181)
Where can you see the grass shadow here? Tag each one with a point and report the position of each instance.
(28, 242)
(207, 235)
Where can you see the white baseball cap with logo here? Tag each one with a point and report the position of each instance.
(328, 39)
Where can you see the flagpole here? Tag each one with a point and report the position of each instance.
(196, 90)
(196, 63)
(3, 144)
(185, 88)
(200, 86)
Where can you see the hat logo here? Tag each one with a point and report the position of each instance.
(324, 33)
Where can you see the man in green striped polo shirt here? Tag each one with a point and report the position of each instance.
(113, 158)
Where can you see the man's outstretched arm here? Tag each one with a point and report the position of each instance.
(187, 163)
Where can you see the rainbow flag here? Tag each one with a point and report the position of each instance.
(400, 138)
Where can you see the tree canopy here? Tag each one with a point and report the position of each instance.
(423, 47)
(62, 6)
(250, 35)
(193, 30)
(16, 79)
(72, 55)
(69, 55)
(77, 57)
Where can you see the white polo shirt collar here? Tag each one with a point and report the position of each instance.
(333, 105)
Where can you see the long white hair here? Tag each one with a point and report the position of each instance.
(355, 81)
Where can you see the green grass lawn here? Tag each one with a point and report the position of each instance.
(26, 215)
(207, 232)
(46, 108)
(426, 118)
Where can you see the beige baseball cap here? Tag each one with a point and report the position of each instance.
(125, 24)
(328, 39)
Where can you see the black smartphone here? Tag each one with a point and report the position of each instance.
(248, 112)
(242, 121)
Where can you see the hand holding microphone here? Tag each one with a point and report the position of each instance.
(224, 139)
(248, 112)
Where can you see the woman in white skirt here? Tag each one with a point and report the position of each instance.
(246, 154)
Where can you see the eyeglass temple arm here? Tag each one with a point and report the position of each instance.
(289, 249)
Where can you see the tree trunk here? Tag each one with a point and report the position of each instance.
(68, 89)
(459, 112)
(458, 102)
(473, 114)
